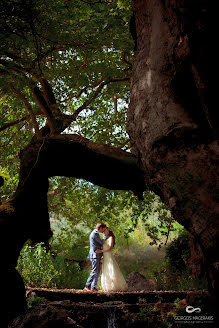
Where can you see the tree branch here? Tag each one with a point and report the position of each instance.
(83, 90)
(84, 65)
(87, 102)
(94, 95)
(124, 143)
(9, 66)
(126, 61)
(29, 108)
(94, 2)
(25, 118)
(168, 232)
(75, 156)
(62, 121)
(115, 99)
(50, 97)
(47, 91)
(8, 125)
(45, 108)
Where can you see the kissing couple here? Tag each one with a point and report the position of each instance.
(112, 279)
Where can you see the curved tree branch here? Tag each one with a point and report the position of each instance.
(75, 156)
(62, 155)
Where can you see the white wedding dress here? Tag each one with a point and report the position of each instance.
(112, 279)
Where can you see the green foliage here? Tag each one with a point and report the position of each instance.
(156, 218)
(146, 313)
(82, 202)
(168, 279)
(74, 45)
(70, 274)
(31, 302)
(69, 240)
(174, 272)
(178, 252)
(137, 254)
(40, 269)
(37, 266)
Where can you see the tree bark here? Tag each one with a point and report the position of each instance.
(172, 120)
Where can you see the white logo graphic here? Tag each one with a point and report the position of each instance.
(191, 309)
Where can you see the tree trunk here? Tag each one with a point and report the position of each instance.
(172, 120)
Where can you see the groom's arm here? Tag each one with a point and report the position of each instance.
(97, 242)
(102, 241)
(98, 251)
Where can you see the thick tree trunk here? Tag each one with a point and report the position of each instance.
(172, 119)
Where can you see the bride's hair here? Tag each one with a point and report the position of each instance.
(111, 234)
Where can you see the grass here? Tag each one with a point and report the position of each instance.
(143, 259)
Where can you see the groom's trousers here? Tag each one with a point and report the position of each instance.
(94, 275)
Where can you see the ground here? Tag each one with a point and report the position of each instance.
(76, 308)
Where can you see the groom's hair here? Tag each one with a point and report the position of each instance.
(100, 225)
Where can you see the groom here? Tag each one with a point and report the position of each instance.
(96, 244)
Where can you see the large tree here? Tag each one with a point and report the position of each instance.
(172, 120)
(66, 61)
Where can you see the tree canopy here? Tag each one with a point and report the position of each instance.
(65, 60)
(64, 66)
(64, 69)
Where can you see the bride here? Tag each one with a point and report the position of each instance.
(112, 279)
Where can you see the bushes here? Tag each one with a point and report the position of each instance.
(174, 273)
(71, 276)
(37, 266)
(178, 252)
(40, 269)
